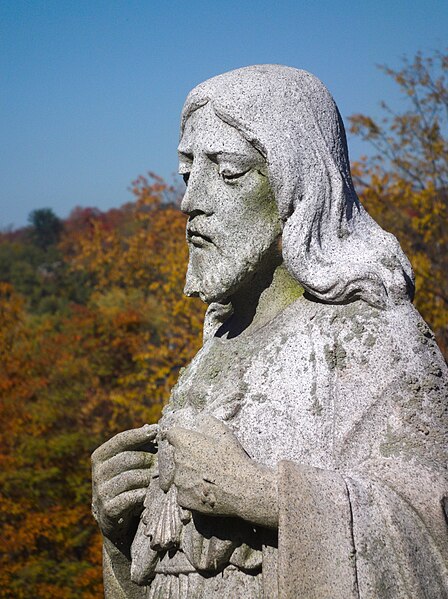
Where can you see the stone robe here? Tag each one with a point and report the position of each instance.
(349, 404)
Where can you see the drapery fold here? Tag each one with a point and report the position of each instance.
(316, 556)
(379, 532)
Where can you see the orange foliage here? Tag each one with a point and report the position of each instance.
(405, 184)
(96, 339)
(71, 380)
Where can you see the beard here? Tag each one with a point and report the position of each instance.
(214, 277)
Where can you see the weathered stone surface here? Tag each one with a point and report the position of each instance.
(303, 452)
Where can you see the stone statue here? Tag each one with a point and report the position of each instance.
(303, 452)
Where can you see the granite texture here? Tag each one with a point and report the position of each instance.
(303, 452)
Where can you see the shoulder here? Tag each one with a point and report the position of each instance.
(391, 352)
(363, 331)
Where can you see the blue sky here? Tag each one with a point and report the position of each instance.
(91, 90)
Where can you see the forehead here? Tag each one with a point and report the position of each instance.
(205, 132)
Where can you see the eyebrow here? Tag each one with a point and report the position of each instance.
(185, 153)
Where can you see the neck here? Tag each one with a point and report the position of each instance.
(260, 299)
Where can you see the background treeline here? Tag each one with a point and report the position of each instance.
(94, 329)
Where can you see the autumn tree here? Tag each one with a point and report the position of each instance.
(72, 378)
(94, 329)
(404, 183)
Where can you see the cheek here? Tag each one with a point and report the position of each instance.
(259, 214)
(253, 235)
(251, 201)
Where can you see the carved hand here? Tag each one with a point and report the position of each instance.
(214, 475)
(120, 477)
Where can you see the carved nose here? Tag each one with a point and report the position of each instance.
(186, 203)
(195, 200)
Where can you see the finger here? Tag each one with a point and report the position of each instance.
(192, 501)
(186, 476)
(126, 481)
(124, 461)
(182, 438)
(210, 425)
(186, 501)
(215, 428)
(132, 439)
(125, 502)
(192, 447)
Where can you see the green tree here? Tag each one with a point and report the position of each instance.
(46, 227)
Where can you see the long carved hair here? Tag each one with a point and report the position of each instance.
(330, 244)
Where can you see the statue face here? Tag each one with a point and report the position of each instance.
(233, 224)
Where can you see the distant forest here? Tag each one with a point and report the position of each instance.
(94, 329)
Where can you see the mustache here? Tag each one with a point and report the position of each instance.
(199, 234)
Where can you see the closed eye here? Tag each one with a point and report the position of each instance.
(228, 176)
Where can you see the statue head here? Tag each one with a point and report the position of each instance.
(234, 225)
(278, 148)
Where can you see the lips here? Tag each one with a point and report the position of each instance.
(197, 238)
